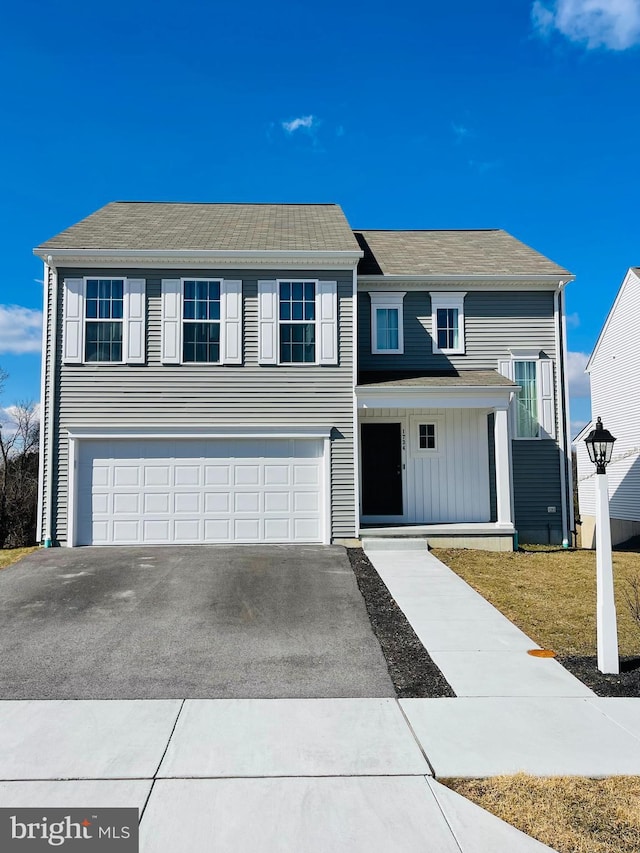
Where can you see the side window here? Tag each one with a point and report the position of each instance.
(526, 411)
(387, 327)
(447, 320)
(426, 436)
(297, 322)
(104, 319)
(201, 321)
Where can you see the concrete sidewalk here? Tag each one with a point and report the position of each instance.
(513, 712)
(245, 775)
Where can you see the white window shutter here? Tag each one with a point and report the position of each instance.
(171, 320)
(231, 317)
(327, 322)
(268, 322)
(73, 324)
(134, 319)
(505, 367)
(546, 398)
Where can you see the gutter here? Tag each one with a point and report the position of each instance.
(43, 389)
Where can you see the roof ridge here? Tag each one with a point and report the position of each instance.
(233, 203)
(424, 230)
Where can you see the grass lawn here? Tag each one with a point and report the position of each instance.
(12, 555)
(570, 814)
(550, 594)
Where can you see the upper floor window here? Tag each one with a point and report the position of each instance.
(447, 319)
(387, 327)
(201, 321)
(104, 319)
(297, 322)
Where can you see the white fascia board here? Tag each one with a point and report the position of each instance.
(631, 274)
(179, 432)
(272, 259)
(551, 281)
(465, 397)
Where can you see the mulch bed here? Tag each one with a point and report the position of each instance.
(627, 683)
(413, 673)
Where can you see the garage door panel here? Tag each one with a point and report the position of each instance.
(174, 495)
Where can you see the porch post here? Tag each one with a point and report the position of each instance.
(503, 467)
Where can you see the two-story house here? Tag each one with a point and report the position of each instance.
(218, 373)
(614, 371)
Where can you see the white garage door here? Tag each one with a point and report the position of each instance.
(189, 491)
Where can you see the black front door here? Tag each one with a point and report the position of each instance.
(381, 469)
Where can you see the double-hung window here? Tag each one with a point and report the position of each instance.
(297, 322)
(533, 406)
(201, 321)
(526, 406)
(447, 321)
(104, 319)
(387, 332)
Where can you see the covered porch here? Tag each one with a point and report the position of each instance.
(435, 458)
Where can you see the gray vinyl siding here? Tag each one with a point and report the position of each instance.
(210, 395)
(494, 321)
(536, 474)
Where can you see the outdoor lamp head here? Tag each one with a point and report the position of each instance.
(600, 446)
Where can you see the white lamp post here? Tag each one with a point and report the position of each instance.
(600, 446)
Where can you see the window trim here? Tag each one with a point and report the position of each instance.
(316, 325)
(415, 421)
(393, 300)
(122, 320)
(220, 322)
(441, 300)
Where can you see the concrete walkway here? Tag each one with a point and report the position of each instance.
(513, 712)
(252, 776)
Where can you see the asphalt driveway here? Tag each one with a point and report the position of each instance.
(186, 622)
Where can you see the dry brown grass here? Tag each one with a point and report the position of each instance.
(550, 595)
(568, 813)
(12, 555)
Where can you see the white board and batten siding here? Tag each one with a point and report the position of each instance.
(614, 371)
(450, 485)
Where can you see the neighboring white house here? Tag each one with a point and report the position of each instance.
(614, 369)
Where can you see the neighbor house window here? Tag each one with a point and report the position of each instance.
(387, 333)
(526, 411)
(427, 436)
(447, 318)
(104, 311)
(297, 322)
(201, 321)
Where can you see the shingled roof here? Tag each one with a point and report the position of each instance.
(490, 252)
(226, 227)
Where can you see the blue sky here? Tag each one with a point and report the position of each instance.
(519, 115)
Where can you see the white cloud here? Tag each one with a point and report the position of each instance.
(305, 122)
(20, 329)
(614, 24)
(578, 380)
(573, 320)
(460, 131)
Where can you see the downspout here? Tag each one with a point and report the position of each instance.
(49, 432)
(356, 433)
(560, 396)
(46, 284)
(569, 462)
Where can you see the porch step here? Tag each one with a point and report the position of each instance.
(393, 543)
